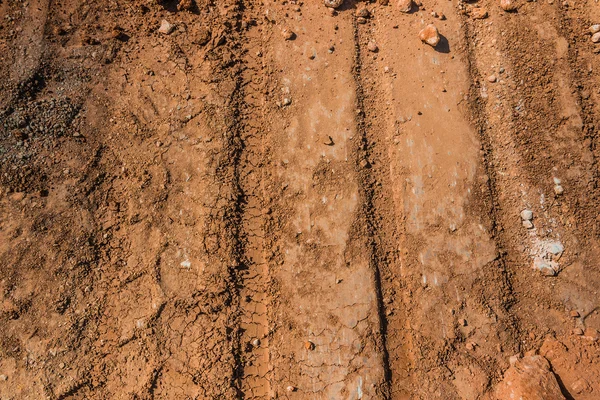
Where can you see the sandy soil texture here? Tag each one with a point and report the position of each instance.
(279, 199)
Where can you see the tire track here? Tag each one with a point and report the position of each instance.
(254, 276)
(435, 196)
(326, 328)
(376, 217)
(585, 84)
(534, 133)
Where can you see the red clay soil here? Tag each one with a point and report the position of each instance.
(276, 199)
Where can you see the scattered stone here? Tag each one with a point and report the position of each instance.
(286, 101)
(372, 46)
(574, 313)
(165, 27)
(545, 267)
(309, 345)
(529, 378)
(3, 378)
(492, 79)
(430, 35)
(470, 346)
(442, 16)
(384, 2)
(595, 28)
(288, 34)
(479, 13)
(361, 20)
(363, 12)
(61, 365)
(527, 224)
(405, 6)
(577, 331)
(558, 190)
(333, 3)
(256, 342)
(291, 388)
(508, 5)
(331, 49)
(526, 215)
(187, 5)
(596, 37)
(555, 248)
(462, 322)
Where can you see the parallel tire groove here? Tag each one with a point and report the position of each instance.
(369, 212)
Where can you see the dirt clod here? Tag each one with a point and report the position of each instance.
(529, 378)
(479, 13)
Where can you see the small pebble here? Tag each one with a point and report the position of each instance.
(558, 190)
(492, 78)
(462, 322)
(333, 3)
(508, 5)
(3, 378)
(528, 224)
(363, 12)
(574, 313)
(256, 342)
(165, 27)
(430, 35)
(288, 34)
(372, 46)
(404, 5)
(595, 28)
(577, 331)
(309, 345)
(479, 13)
(470, 346)
(287, 101)
(596, 37)
(290, 388)
(361, 20)
(526, 215)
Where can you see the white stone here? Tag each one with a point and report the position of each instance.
(526, 215)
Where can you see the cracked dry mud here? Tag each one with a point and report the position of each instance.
(278, 200)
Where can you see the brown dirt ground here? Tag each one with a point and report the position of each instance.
(231, 211)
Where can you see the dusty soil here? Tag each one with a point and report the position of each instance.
(272, 199)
